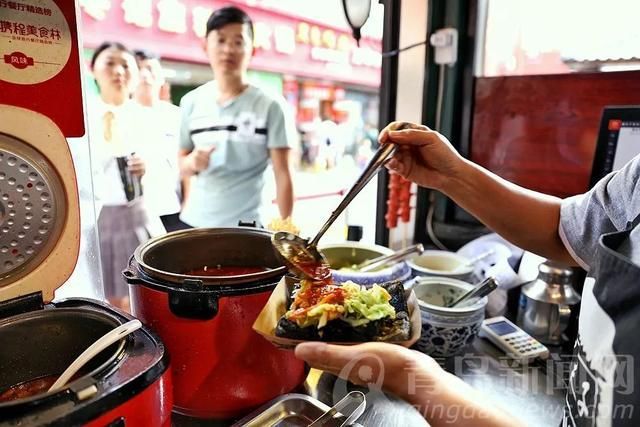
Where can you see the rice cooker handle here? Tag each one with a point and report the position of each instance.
(192, 302)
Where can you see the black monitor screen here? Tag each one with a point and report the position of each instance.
(618, 140)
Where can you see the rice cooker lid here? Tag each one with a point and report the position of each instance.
(39, 210)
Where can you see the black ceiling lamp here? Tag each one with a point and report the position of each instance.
(357, 13)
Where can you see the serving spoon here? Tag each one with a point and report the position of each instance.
(100, 344)
(485, 287)
(372, 264)
(351, 406)
(301, 255)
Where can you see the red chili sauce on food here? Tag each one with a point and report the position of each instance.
(28, 388)
(320, 291)
(225, 271)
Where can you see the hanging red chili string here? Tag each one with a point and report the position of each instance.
(398, 201)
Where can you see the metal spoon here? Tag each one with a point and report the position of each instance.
(351, 406)
(378, 262)
(483, 288)
(301, 255)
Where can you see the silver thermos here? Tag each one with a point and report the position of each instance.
(546, 303)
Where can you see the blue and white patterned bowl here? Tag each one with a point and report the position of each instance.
(446, 331)
(351, 253)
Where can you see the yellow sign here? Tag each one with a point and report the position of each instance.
(35, 41)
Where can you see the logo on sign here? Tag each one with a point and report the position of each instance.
(18, 60)
(615, 124)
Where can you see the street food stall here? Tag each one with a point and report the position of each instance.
(223, 308)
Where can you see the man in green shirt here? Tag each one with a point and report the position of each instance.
(230, 131)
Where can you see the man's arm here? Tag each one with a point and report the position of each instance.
(284, 183)
(524, 217)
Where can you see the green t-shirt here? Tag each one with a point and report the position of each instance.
(243, 130)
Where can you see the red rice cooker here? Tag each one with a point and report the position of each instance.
(128, 383)
(221, 367)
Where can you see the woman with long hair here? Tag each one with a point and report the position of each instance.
(116, 134)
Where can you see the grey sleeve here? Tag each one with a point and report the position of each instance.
(186, 106)
(607, 207)
(281, 131)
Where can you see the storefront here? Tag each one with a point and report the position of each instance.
(307, 62)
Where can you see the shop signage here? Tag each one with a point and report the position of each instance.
(39, 62)
(285, 44)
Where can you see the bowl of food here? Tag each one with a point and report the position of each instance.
(436, 263)
(339, 313)
(446, 331)
(344, 257)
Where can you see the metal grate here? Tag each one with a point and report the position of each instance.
(29, 193)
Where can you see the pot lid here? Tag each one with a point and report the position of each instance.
(553, 285)
(39, 210)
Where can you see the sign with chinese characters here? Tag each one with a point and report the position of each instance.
(285, 44)
(39, 62)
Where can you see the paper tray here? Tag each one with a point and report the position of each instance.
(289, 410)
(266, 322)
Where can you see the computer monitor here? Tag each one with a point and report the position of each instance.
(618, 140)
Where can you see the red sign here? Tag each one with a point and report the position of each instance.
(40, 65)
(18, 60)
(284, 44)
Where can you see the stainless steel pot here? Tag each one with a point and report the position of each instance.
(547, 302)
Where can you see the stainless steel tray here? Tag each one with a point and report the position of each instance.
(289, 410)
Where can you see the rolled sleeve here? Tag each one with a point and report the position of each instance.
(607, 207)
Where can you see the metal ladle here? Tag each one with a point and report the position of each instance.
(301, 255)
(485, 287)
(372, 264)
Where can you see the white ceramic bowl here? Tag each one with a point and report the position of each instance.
(437, 263)
(446, 331)
(350, 253)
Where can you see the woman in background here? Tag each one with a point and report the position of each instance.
(115, 135)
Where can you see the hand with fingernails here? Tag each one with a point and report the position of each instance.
(423, 156)
(136, 165)
(413, 376)
(199, 158)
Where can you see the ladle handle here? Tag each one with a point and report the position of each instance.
(378, 160)
(351, 406)
(372, 264)
(103, 342)
(485, 287)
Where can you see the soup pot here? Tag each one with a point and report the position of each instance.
(221, 367)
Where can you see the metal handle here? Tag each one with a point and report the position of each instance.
(372, 264)
(351, 406)
(378, 160)
(564, 314)
(484, 288)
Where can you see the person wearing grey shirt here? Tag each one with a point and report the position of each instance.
(597, 230)
(230, 131)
